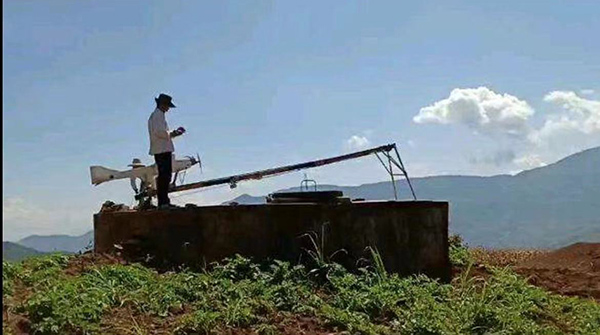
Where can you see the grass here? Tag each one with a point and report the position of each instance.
(240, 294)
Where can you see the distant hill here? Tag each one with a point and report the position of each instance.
(15, 252)
(247, 199)
(546, 207)
(50, 243)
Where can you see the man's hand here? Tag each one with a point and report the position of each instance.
(177, 132)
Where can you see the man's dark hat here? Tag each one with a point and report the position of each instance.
(164, 99)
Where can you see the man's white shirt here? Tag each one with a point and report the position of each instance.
(160, 137)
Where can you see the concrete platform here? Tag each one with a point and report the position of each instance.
(412, 236)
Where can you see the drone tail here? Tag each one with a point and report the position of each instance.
(101, 174)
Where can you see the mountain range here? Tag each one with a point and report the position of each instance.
(15, 252)
(546, 207)
(65, 243)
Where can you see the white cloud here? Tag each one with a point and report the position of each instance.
(574, 103)
(529, 161)
(578, 118)
(574, 127)
(583, 114)
(357, 142)
(488, 112)
(482, 110)
(587, 92)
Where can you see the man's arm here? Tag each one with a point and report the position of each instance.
(133, 185)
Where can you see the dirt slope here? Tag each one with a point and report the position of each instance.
(573, 270)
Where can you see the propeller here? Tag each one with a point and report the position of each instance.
(196, 160)
(199, 162)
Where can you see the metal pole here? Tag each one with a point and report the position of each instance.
(382, 163)
(405, 173)
(392, 176)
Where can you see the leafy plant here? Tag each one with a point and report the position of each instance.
(322, 265)
(199, 322)
(265, 329)
(459, 252)
(378, 265)
(10, 272)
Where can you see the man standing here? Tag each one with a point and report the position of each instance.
(161, 146)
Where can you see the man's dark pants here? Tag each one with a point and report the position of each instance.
(165, 169)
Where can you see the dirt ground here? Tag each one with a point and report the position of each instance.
(78, 265)
(573, 270)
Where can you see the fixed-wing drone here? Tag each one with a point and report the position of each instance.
(146, 174)
(388, 155)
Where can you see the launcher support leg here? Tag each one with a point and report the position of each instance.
(392, 176)
(401, 167)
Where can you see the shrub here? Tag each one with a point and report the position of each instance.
(459, 252)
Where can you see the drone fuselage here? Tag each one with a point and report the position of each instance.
(147, 174)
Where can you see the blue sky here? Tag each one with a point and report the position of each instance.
(260, 84)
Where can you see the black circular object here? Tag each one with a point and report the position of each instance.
(316, 195)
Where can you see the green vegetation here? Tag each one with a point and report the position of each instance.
(460, 255)
(241, 294)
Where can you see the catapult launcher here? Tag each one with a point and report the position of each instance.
(387, 154)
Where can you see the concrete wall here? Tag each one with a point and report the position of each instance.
(412, 237)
